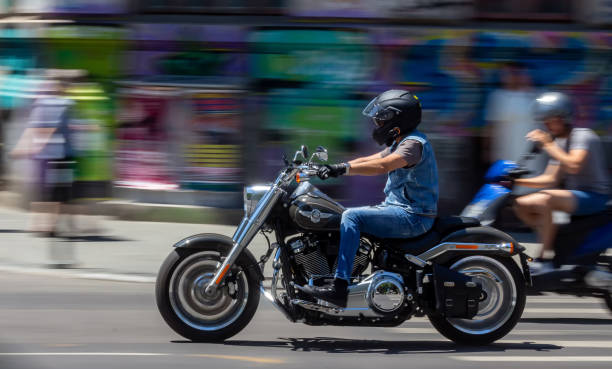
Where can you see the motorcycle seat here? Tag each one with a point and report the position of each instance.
(446, 225)
(441, 227)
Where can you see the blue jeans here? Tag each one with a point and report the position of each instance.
(383, 221)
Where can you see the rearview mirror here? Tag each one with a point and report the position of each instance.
(320, 153)
(303, 152)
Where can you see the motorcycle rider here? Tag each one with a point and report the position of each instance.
(411, 191)
(576, 177)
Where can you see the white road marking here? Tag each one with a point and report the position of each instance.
(515, 332)
(252, 359)
(83, 354)
(116, 277)
(572, 311)
(575, 300)
(535, 358)
(582, 344)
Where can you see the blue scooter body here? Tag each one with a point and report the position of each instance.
(494, 194)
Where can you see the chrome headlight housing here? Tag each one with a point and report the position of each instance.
(252, 195)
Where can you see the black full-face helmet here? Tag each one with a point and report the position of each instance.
(395, 113)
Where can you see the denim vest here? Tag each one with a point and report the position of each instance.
(415, 188)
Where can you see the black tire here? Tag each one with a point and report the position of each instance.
(605, 261)
(178, 317)
(450, 331)
(608, 299)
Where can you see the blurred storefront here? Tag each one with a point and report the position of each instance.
(310, 86)
(211, 99)
(184, 99)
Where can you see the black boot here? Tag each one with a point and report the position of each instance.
(336, 292)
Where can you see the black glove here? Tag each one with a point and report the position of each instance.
(333, 170)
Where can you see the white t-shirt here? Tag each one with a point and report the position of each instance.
(509, 112)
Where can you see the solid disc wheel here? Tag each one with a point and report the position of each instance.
(196, 315)
(498, 313)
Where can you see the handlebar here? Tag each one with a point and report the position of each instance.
(518, 172)
(310, 169)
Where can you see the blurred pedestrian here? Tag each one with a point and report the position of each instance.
(47, 141)
(509, 118)
(577, 177)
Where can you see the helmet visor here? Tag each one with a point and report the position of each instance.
(379, 114)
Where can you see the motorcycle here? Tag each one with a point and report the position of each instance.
(460, 274)
(582, 267)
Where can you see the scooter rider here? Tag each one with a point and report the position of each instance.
(576, 178)
(411, 191)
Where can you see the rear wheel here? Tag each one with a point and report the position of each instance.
(498, 313)
(605, 262)
(191, 313)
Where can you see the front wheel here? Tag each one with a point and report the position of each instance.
(504, 285)
(191, 313)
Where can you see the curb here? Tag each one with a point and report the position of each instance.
(146, 212)
(134, 211)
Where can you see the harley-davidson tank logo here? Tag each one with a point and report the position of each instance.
(315, 216)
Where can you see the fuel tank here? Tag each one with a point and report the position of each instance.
(313, 210)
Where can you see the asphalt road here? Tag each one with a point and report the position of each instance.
(50, 322)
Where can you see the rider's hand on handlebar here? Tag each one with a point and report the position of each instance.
(507, 182)
(332, 170)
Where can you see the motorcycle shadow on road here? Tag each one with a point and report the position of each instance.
(343, 345)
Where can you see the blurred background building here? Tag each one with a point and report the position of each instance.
(185, 101)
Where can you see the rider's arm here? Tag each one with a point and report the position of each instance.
(571, 162)
(378, 155)
(378, 165)
(550, 178)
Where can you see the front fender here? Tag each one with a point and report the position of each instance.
(220, 243)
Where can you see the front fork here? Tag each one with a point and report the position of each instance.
(248, 228)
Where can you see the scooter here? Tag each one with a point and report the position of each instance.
(582, 267)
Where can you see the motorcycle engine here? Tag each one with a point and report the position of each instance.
(385, 293)
(317, 256)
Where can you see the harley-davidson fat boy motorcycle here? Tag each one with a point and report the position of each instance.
(461, 275)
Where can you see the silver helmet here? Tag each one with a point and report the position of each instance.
(553, 104)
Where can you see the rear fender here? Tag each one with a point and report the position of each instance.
(477, 240)
(220, 243)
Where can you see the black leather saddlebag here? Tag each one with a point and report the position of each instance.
(457, 295)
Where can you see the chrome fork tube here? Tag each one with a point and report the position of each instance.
(241, 226)
(244, 234)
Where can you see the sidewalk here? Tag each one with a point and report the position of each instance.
(124, 247)
(126, 250)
